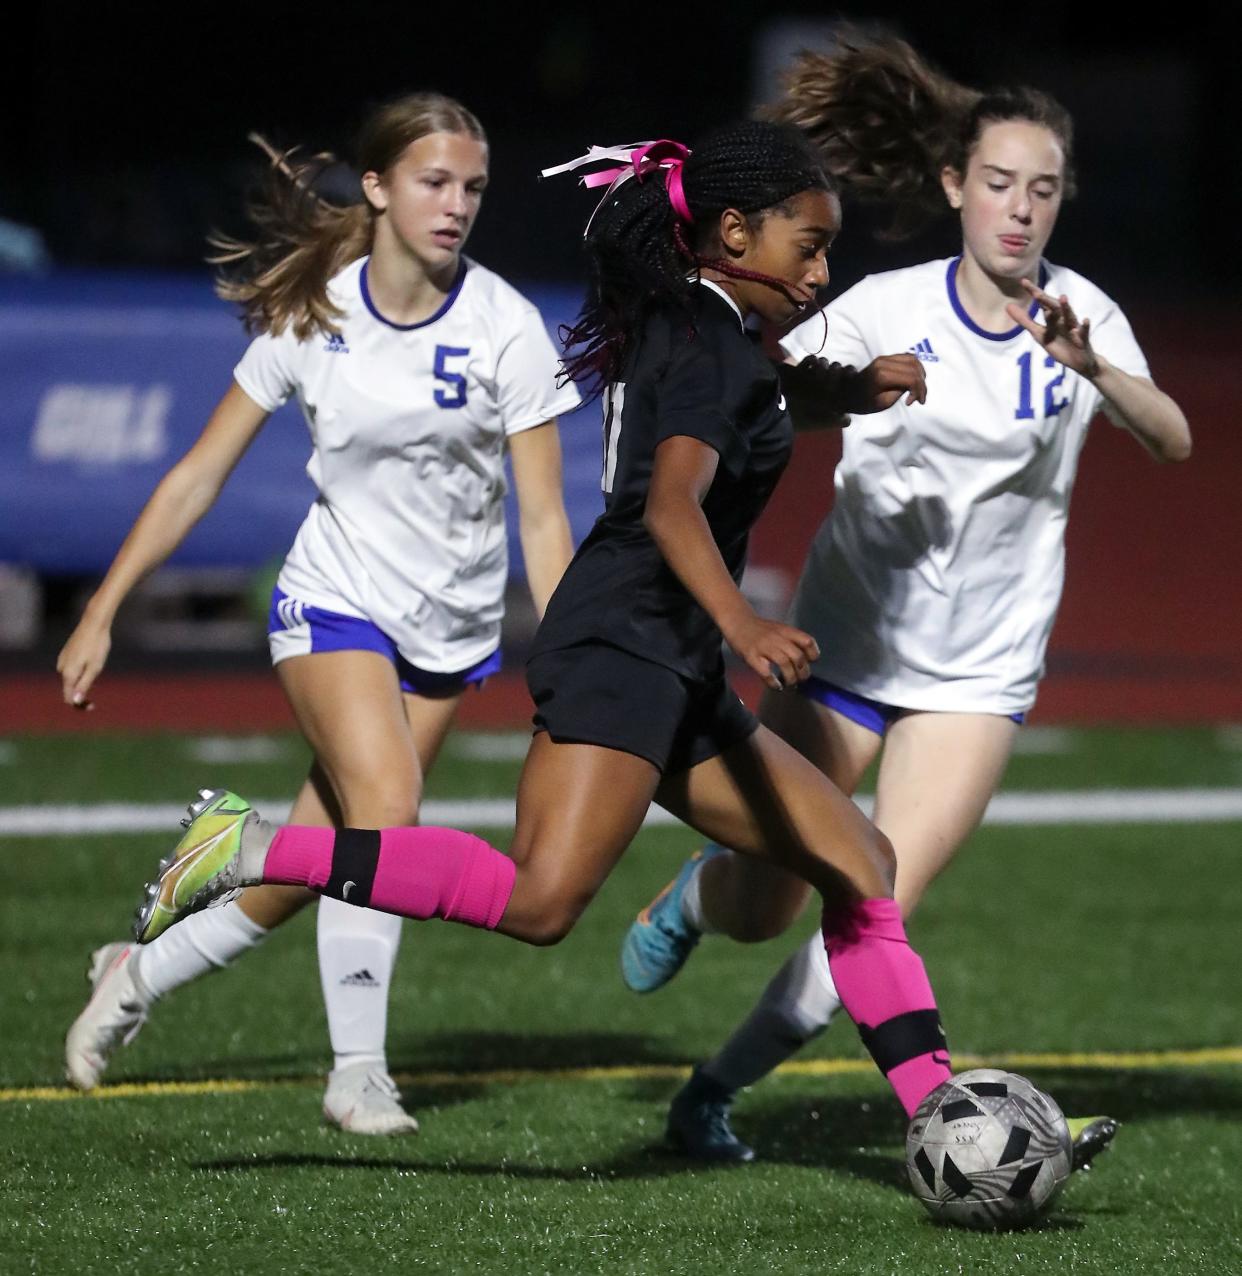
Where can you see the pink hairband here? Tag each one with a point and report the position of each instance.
(637, 161)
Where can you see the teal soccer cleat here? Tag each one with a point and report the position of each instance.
(698, 1122)
(660, 940)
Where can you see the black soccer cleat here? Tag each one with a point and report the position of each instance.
(698, 1123)
(1091, 1135)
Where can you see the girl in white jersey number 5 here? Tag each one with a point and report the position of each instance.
(933, 586)
(416, 370)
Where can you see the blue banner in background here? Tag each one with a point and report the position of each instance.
(107, 380)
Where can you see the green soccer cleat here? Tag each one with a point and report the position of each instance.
(1091, 1136)
(209, 866)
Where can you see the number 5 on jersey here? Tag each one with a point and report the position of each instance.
(452, 394)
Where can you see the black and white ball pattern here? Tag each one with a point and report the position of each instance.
(987, 1149)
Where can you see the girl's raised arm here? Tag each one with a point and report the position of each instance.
(1134, 403)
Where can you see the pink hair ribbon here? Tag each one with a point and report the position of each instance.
(637, 160)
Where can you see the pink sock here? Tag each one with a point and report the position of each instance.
(884, 989)
(415, 872)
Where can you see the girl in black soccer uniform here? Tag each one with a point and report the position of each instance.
(627, 673)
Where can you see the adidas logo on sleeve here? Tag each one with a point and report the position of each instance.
(923, 350)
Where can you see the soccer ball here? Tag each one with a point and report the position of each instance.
(988, 1150)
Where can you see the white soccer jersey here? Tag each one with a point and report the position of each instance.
(934, 582)
(409, 426)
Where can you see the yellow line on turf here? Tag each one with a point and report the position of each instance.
(1221, 1056)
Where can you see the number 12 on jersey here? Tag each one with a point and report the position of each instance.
(1052, 405)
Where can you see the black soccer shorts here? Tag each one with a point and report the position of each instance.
(593, 693)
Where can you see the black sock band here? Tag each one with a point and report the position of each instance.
(355, 855)
(904, 1037)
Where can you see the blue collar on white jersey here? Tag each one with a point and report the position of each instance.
(409, 327)
(960, 310)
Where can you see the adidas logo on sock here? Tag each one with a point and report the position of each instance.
(924, 351)
(361, 979)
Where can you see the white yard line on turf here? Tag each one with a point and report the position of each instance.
(223, 749)
(1091, 806)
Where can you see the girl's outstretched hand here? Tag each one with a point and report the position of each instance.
(1065, 337)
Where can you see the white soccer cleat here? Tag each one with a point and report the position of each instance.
(112, 1017)
(363, 1099)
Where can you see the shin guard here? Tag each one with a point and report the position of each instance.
(884, 989)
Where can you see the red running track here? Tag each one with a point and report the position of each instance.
(250, 702)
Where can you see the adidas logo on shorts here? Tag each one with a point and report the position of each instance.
(291, 612)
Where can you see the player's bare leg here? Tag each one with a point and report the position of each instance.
(749, 899)
(720, 892)
(745, 898)
(937, 775)
(579, 806)
(373, 746)
(765, 799)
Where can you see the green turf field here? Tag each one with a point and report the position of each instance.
(541, 1082)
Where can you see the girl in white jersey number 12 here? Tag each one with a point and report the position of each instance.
(933, 586)
(416, 370)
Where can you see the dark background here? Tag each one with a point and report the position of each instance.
(125, 126)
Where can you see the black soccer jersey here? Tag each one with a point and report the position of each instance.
(700, 376)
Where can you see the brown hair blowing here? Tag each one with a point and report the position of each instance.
(280, 276)
(887, 122)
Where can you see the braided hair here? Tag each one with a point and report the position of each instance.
(886, 122)
(642, 257)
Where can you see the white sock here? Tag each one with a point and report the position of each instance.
(357, 949)
(794, 1007)
(204, 942)
(692, 900)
